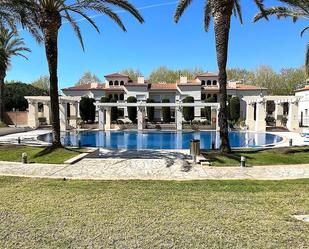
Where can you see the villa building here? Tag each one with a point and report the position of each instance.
(303, 108)
(204, 86)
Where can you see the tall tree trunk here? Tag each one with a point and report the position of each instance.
(50, 28)
(222, 11)
(2, 77)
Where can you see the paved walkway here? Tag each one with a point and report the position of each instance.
(150, 169)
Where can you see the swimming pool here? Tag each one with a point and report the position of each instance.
(160, 139)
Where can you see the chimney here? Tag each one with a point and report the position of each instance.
(141, 80)
(183, 80)
(232, 84)
(94, 85)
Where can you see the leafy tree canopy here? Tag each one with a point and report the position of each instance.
(165, 74)
(133, 73)
(41, 83)
(87, 78)
(14, 93)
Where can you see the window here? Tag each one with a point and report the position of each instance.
(116, 96)
(203, 82)
(208, 82)
(215, 97)
(116, 83)
(111, 83)
(121, 83)
(214, 82)
(121, 96)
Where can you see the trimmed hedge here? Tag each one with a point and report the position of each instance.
(166, 112)
(132, 111)
(114, 111)
(234, 107)
(188, 112)
(150, 111)
(87, 109)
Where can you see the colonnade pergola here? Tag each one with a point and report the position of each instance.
(257, 111)
(105, 112)
(67, 105)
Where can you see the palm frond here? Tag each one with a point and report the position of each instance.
(182, 6)
(237, 10)
(307, 59)
(207, 15)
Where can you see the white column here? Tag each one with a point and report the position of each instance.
(74, 114)
(108, 118)
(250, 116)
(140, 118)
(101, 118)
(179, 118)
(63, 113)
(214, 118)
(260, 123)
(278, 113)
(293, 123)
(33, 111)
(47, 113)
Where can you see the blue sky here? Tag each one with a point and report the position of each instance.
(162, 42)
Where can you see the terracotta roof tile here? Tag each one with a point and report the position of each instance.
(207, 74)
(306, 88)
(89, 86)
(163, 86)
(248, 87)
(114, 75)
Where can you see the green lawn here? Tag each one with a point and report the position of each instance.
(37, 154)
(37, 213)
(294, 155)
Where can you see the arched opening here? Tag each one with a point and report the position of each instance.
(68, 110)
(116, 83)
(116, 96)
(121, 83)
(111, 83)
(121, 96)
(203, 82)
(215, 97)
(110, 96)
(208, 82)
(208, 96)
(214, 82)
(203, 96)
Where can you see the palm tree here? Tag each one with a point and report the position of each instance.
(10, 45)
(295, 9)
(221, 11)
(44, 18)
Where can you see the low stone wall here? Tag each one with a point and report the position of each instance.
(16, 118)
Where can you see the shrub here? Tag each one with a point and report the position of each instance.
(87, 109)
(104, 100)
(234, 108)
(114, 111)
(166, 112)
(208, 108)
(270, 120)
(188, 112)
(132, 111)
(150, 110)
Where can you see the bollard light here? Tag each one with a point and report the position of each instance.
(291, 142)
(242, 161)
(24, 158)
(18, 140)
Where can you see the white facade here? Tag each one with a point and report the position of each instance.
(120, 87)
(303, 110)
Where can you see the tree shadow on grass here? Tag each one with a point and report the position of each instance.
(51, 149)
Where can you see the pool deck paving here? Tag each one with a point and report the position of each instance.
(165, 166)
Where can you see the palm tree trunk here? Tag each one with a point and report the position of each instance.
(2, 77)
(222, 11)
(51, 50)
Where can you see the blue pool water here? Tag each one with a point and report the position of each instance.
(161, 139)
